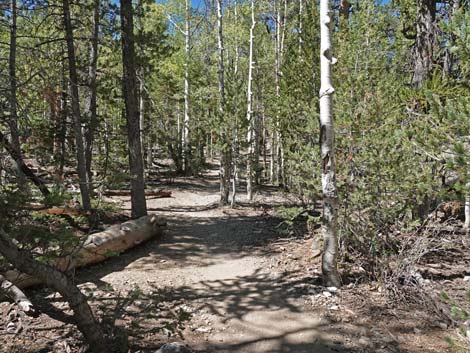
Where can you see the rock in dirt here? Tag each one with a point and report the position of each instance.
(174, 347)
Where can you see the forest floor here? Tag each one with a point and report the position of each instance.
(223, 279)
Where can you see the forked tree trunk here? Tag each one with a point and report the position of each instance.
(129, 88)
(249, 111)
(57, 280)
(330, 252)
(77, 122)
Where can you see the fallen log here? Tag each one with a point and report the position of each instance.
(64, 210)
(16, 294)
(98, 247)
(152, 193)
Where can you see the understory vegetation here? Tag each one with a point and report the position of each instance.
(102, 99)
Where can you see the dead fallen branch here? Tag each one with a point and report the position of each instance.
(98, 247)
(102, 215)
(16, 294)
(152, 193)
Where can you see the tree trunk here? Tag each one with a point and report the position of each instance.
(330, 253)
(24, 168)
(249, 111)
(57, 280)
(301, 8)
(467, 208)
(186, 138)
(81, 164)
(90, 102)
(425, 43)
(97, 248)
(129, 88)
(13, 104)
(225, 160)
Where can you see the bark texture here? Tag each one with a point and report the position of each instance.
(330, 252)
(425, 43)
(129, 89)
(77, 121)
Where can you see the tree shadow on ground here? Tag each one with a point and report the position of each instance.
(266, 308)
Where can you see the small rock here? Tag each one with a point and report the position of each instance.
(334, 307)
(442, 325)
(174, 347)
(364, 341)
(466, 278)
(417, 331)
(13, 328)
(204, 329)
(327, 294)
(467, 333)
(332, 289)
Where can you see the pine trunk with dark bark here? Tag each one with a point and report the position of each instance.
(425, 43)
(129, 89)
(75, 100)
(90, 102)
(13, 104)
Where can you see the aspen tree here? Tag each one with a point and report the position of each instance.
(225, 151)
(187, 49)
(328, 172)
(249, 111)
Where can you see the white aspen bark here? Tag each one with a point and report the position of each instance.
(330, 252)
(186, 138)
(225, 153)
(249, 111)
(235, 144)
(273, 158)
(275, 135)
(142, 112)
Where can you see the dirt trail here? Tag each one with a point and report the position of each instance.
(217, 262)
